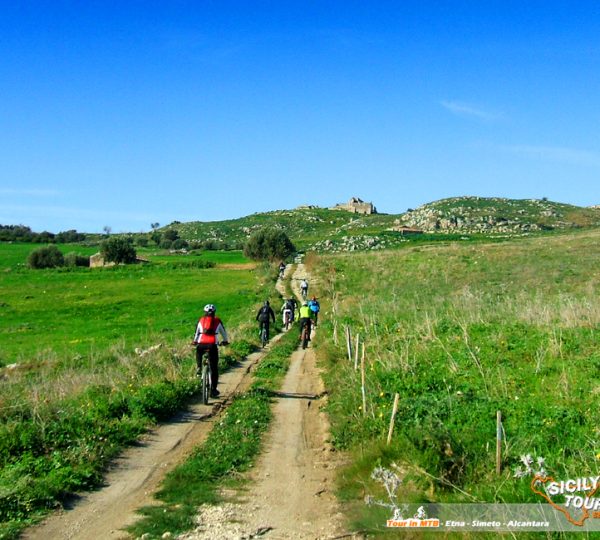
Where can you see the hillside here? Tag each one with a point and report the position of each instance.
(305, 226)
(338, 230)
(497, 215)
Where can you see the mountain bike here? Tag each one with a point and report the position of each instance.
(287, 318)
(264, 336)
(204, 374)
(305, 335)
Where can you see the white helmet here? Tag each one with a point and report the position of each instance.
(209, 308)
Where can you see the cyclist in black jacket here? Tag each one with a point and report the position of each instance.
(264, 317)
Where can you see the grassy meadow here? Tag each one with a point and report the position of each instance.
(462, 331)
(73, 388)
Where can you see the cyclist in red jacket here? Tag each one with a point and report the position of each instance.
(205, 340)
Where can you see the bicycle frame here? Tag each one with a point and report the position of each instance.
(204, 373)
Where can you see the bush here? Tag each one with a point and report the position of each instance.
(269, 245)
(156, 237)
(119, 250)
(172, 235)
(180, 243)
(75, 259)
(46, 257)
(142, 241)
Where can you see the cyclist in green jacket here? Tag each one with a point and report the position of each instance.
(305, 317)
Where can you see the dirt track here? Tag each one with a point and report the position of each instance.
(291, 486)
(291, 489)
(136, 475)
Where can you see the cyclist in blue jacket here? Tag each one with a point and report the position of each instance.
(315, 308)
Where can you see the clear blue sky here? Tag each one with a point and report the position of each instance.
(123, 113)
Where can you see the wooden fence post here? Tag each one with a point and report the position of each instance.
(362, 386)
(356, 348)
(394, 411)
(349, 343)
(498, 442)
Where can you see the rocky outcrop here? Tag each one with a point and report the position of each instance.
(479, 215)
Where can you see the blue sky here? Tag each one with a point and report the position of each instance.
(126, 113)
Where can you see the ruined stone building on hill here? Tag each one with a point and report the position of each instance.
(356, 206)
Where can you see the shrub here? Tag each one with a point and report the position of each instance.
(268, 245)
(46, 257)
(180, 243)
(172, 235)
(156, 237)
(119, 250)
(75, 259)
(166, 244)
(142, 241)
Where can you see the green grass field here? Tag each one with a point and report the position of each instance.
(75, 311)
(73, 389)
(461, 332)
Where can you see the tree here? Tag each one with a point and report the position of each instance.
(172, 235)
(70, 237)
(269, 245)
(46, 257)
(180, 243)
(119, 250)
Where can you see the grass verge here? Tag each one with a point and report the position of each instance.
(461, 332)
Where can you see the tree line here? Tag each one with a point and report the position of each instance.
(22, 233)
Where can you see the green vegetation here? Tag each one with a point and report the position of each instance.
(71, 312)
(230, 449)
(21, 233)
(46, 257)
(82, 376)
(119, 249)
(328, 230)
(304, 226)
(269, 245)
(461, 331)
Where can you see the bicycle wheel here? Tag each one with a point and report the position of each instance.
(304, 338)
(263, 337)
(205, 376)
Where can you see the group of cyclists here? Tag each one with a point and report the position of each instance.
(209, 326)
(308, 314)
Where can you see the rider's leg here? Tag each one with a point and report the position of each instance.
(213, 358)
(200, 350)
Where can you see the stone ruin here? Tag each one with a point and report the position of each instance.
(356, 206)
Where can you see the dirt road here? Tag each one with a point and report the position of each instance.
(291, 487)
(136, 475)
